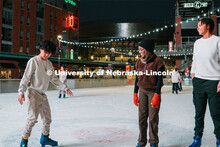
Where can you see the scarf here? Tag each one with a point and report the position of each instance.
(147, 57)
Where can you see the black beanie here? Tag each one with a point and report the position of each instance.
(147, 44)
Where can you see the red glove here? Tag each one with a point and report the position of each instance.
(135, 99)
(155, 100)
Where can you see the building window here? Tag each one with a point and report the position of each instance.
(6, 48)
(40, 1)
(27, 50)
(28, 21)
(52, 2)
(51, 13)
(21, 34)
(40, 26)
(55, 29)
(27, 36)
(50, 27)
(28, 6)
(8, 4)
(22, 3)
(40, 11)
(55, 15)
(55, 2)
(7, 17)
(6, 34)
(21, 49)
(22, 19)
(39, 38)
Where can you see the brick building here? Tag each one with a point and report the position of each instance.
(25, 23)
(187, 12)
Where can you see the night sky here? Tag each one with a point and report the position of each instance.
(106, 11)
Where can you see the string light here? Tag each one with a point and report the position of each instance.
(138, 35)
(109, 49)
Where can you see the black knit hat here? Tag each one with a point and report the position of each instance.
(147, 44)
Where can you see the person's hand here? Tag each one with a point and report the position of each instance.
(21, 98)
(155, 100)
(192, 75)
(135, 99)
(218, 87)
(69, 92)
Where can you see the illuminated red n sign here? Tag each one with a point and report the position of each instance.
(71, 21)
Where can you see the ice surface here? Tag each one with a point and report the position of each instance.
(103, 117)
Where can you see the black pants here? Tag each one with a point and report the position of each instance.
(180, 87)
(206, 91)
(175, 87)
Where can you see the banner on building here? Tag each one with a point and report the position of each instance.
(128, 70)
(109, 66)
(196, 4)
(71, 54)
(170, 46)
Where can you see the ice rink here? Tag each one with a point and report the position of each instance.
(103, 117)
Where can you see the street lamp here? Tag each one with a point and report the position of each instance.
(92, 57)
(112, 49)
(59, 38)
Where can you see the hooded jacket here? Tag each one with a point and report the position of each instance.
(153, 63)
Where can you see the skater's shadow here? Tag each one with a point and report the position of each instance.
(179, 145)
(72, 145)
(83, 96)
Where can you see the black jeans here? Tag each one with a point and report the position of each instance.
(206, 91)
(175, 87)
(180, 87)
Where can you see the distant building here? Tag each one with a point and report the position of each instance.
(187, 14)
(25, 23)
(186, 32)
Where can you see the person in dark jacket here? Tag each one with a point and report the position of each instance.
(149, 87)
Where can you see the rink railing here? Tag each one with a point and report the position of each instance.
(11, 85)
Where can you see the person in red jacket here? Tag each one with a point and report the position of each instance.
(149, 87)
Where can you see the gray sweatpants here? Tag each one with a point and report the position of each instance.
(37, 104)
(145, 111)
(62, 91)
